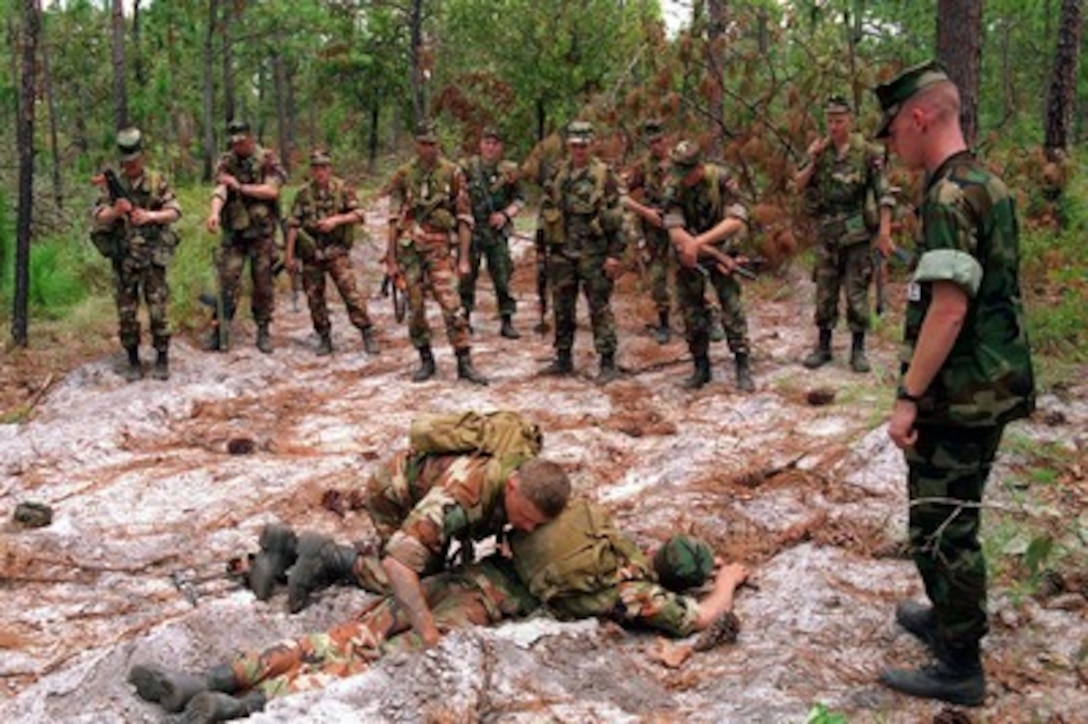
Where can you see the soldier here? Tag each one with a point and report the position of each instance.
(646, 183)
(245, 206)
(429, 202)
(134, 221)
(496, 196)
(966, 373)
(320, 234)
(848, 193)
(706, 218)
(583, 231)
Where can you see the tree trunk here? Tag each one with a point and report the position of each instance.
(372, 141)
(1062, 96)
(715, 47)
(959, 47)
(209, 92)
(279, 90)
(415, 58)
(120, 90)
(137, 55)
(229, 17)
(47, 86)
(24, 133)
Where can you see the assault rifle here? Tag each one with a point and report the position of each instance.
(542, 281)
(394, 286)
(731, 261)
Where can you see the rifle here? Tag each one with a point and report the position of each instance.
(394, 286)
(220, 318)
(742, 266)
(542, 281)
(112, 244)
(880, 272)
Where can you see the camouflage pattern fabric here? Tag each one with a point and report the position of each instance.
(970, 238)
(702, 207)
(249, 227)
(845, 194)
(483, 593)
(429, 266)
(650, 178)
(147, 252)
(420, 503)
(491, 189)
(584, 225)
(310, 206)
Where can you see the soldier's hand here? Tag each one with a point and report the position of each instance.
(497, 220)
(463, 266)
(391, 268)
(139, 217)
(212, 223)
(884, 245)
(292, 265)
(122, 207)
(229, 181)
(688, 253)
(325, 225)
(612, 267)
(901, 427)
(817, 146)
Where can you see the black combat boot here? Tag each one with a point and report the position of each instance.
(700, 376)
(508, 329)
(744, 373)
(663, 333)
(920, 621)
(822, 354)
(370, 342)
(608, 372)
(465, 370)
(324, 347)
(562, 364)
(956, 677)
(264, 339)
(858, 360)
(320, 564)
(161, 370)
(279, 551)
(214, 706)
(171, 690)
(133, 370)
(426, 365)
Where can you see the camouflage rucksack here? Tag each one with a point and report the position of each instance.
(502, 433)
(571, 563)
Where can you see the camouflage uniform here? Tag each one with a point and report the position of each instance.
(331, 252)
(969, 238)
(491, 189)
(650, 176)
(480, 594)
(844, 193)
(583, 227)
(249, 228)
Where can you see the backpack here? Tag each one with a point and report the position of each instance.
(502, 433)
(571, 563)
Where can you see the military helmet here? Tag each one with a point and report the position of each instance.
(685, 156)
(426, 132)
(683, 562)
(320, 158)
(130, 143)
(580, 133)
(237, 130)
(893, 94)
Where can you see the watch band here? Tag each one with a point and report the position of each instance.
(901, 393)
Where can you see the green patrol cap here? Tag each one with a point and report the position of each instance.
(237, 131)
(426, 132)
(130, 143)
(320, 158)
(653, 129)
(837, 104)
(491, 132)
(580, 133)
(685, 156)
(683, 562)
(893, 94)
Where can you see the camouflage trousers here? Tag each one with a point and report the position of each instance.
(429, 266)
(662, 260)
(946, 465)
(691, 293)
(566, 275)
(493, 246)
(481, 594)
(132, 280)
(233, 254)
(843, 267)
(337, 265)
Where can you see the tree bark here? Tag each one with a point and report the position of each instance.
(209, 92)
(415, 58)
(229, 17)
(51, 101)
(715, 46)
(138, 69)
(279, 90)
(25, 142)
(959, 48)
(120, 89)
(1062, 96)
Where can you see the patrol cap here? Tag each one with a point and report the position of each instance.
(237, 131)
(580, 133)
(685, 156)
(653, 129)
(683, 562)
(492, 132)
(837, 104)
(130, 143)
(320, 158)
(426, 132)
(893, 94)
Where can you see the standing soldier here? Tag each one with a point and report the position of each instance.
(496, 196)
(245, 206)
(132, 220)
(706, 218)
(583, 230)
(428, 203)
(320, 234)
(646, 183)
(844, 178)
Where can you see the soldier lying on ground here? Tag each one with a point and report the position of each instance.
(592, 570)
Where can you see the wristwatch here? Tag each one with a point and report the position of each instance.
(901, 393)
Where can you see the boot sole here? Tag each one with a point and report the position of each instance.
(890, 678)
